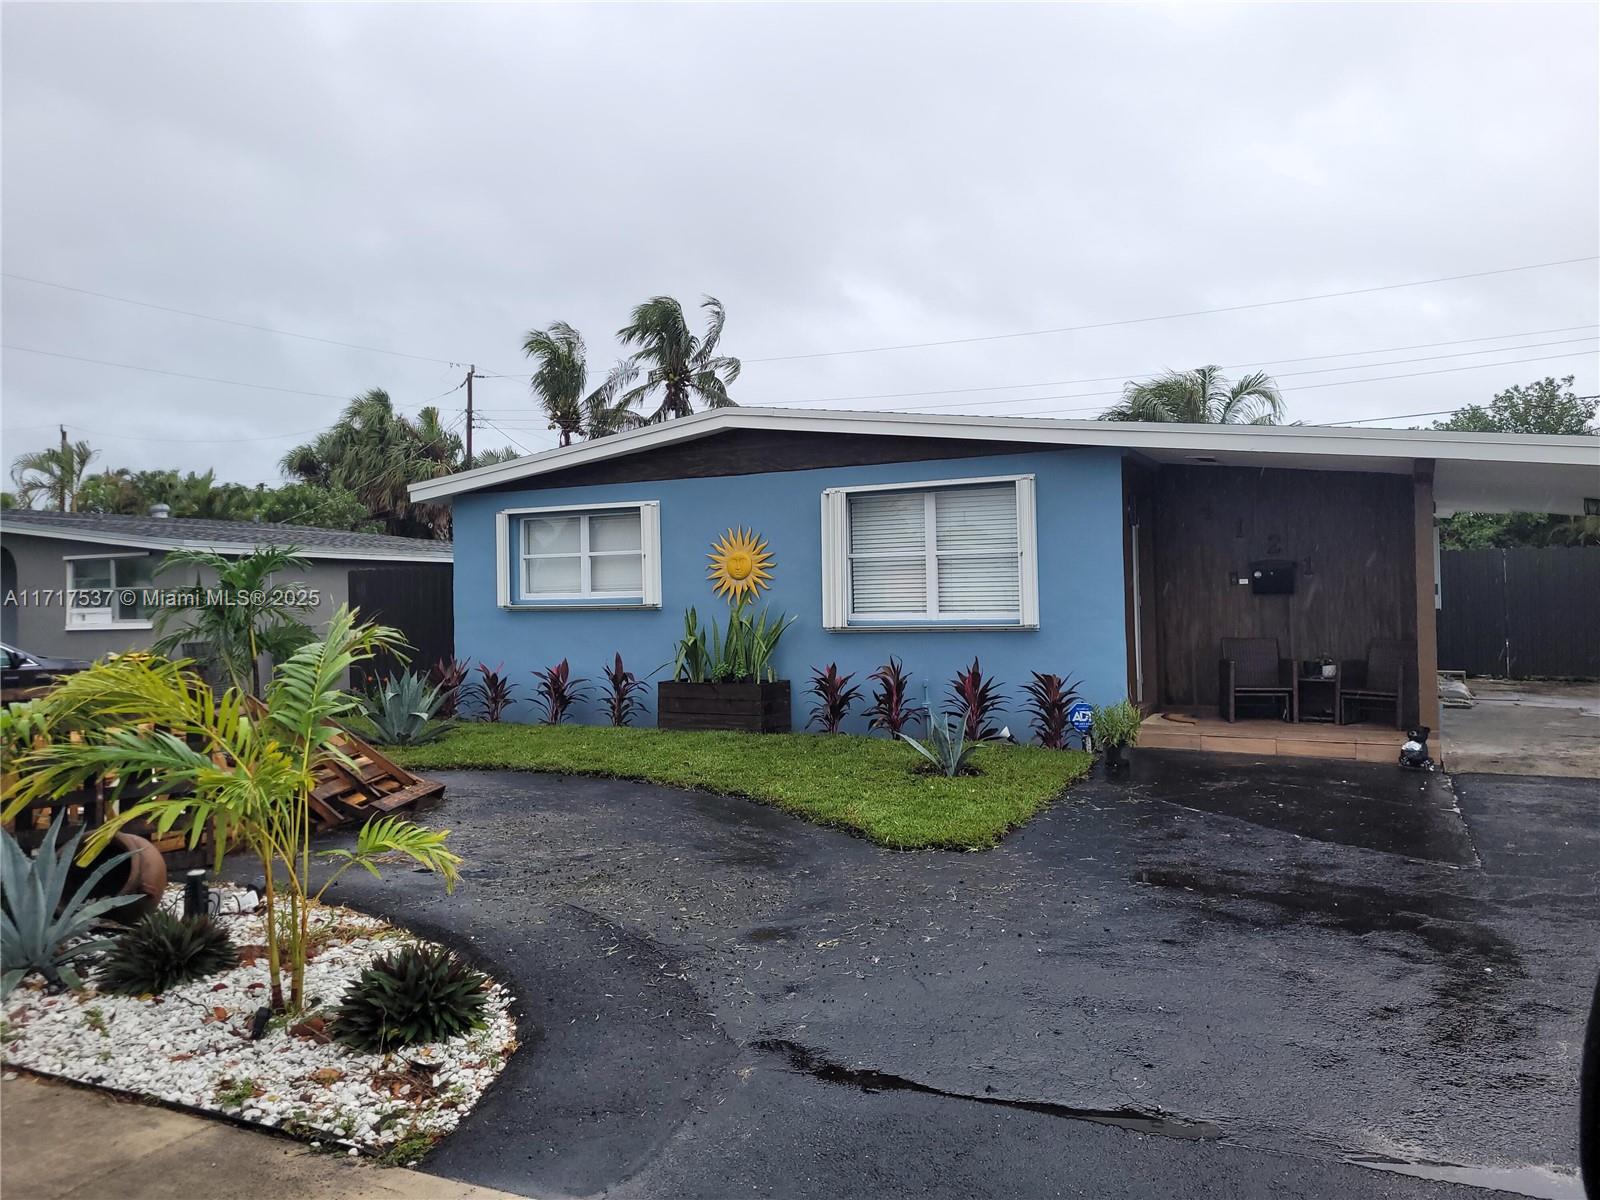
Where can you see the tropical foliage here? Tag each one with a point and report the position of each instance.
(450, 678)
(834, 694)
(891, 710)
(238, 769)
(742, 653)
(1201, 397)
(975, 698)
(1117, 725)
(619, 694)
(561, 386)
(947, 748)
(401, 709)
(558, 691)
(1547, 406)
(675, 367)
(416, 994)
(229, 624)
(42, 928)
(490, 694)
(1049, 698)
(54, 475)
(377, 452)
(161, 952)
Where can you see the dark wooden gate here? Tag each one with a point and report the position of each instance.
(417, 600)
(1522, 614)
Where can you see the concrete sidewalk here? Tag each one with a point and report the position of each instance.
(66, 1143)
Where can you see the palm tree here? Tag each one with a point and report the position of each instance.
(240, 617)
(241, 769)
(674, 360)
(56, 474)
(377, 453)
(1200, 397)
(561, 379)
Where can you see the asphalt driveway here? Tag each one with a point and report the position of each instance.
(1243, 976)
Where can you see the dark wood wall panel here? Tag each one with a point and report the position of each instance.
(752, 452)
(1350, 534)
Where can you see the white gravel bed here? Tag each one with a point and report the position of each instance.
(192, 1045)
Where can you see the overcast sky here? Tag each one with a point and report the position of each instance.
(436, 181)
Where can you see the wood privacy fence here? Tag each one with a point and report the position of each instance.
(1521, 613)
(417, 600)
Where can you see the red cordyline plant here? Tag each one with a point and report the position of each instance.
(450, 676)
(975, 699)
(621, 686)
(492, 694)
(834, 698)
(558, 691)
(890, 710)
(1049, 698)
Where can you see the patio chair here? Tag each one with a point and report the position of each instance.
(1377, 683)
(1252, 669)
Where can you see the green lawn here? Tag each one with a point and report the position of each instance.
(866, 784)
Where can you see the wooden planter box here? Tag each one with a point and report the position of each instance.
(745, 707)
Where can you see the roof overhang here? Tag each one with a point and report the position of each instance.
(133, 541)
(1482, 472)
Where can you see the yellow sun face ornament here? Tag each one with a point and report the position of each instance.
(739, 565)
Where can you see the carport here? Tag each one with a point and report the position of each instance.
(1320, 545)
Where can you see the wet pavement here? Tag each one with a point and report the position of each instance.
(1246, 975)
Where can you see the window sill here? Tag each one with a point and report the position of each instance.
(579, 606)
(936, 627)
(104, 626)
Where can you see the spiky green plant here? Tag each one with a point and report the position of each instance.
(161, 952)
(41, 928)
(401, 710)
(239, 770)
(417, 994)
(946, 745)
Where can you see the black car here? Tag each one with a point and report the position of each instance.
(24, 671)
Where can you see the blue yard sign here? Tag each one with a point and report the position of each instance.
(1081, 717)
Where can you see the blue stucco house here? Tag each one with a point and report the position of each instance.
(1117, 554)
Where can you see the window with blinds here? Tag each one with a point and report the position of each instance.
(943, 554)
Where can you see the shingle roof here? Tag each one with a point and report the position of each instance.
(165, 533)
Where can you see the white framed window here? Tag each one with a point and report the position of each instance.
(593, 556)
(956, 553)
(109, 591)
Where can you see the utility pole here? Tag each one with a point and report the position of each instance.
(65, 471)
(471, 370)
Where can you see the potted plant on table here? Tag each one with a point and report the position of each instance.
(1116, 728)
(724, 678)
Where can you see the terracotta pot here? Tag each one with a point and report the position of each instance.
(143, 874)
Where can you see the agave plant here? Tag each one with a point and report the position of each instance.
(834, 697)
(402, 710)
(975, 698)
(161, 952)
(1049, 698)
(417, 994)
(558, 691)
(38, 932)
(890, 710)
(946, 746)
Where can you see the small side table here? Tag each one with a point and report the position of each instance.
(1319, 698)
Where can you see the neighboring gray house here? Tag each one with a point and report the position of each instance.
(76, 585)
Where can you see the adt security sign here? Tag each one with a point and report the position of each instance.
(1081, 717)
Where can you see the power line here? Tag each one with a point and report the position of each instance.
(1394, 362)
(1256, 362)
(1198, 312)
(265, 387)
(183, 312)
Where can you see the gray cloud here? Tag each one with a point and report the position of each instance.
(439, 179)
